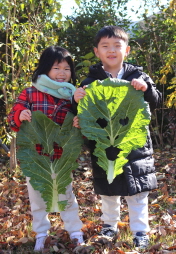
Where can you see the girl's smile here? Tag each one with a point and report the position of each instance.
(60, 72)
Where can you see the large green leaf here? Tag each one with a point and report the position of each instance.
(47, 176)
(115, 115)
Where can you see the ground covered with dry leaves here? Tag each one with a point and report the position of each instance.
(16, 235)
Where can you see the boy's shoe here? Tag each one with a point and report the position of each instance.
(40, 242)
(108, 231)
(77, 237)
(141, 240)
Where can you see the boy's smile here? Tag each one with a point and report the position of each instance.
(112, 52)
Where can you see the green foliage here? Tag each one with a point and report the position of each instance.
(153, 47)
(86, 21)
(115, 115)
(48, 176)
(83, 67)
(28, 31)
(168, 71)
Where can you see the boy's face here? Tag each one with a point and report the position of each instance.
(112, 52)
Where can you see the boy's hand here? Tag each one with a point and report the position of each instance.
(139, 84)
(76, 122)
(79, 93)
(25, 115)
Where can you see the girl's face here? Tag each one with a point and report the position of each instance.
(60, 72)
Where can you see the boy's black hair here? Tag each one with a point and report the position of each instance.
(49, 56)
(111, 31)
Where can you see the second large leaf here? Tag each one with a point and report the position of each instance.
(116, 116)
(50, 177)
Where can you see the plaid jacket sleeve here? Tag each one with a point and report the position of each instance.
(21, 104)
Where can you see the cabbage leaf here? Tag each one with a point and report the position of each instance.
(49, 177)
(116, 116)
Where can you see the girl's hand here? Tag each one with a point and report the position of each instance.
(79, 93)
(76, 122)
(139, 84)
(25, 115)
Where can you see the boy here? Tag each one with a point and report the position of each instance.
(138, 178)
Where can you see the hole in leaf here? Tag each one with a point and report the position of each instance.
(124, 121)
(112, 152)
(117, 137)
(102, 122)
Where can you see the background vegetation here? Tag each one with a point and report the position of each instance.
(29, 26)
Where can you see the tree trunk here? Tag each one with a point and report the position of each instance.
(13, 161)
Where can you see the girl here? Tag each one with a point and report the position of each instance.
(55, 67)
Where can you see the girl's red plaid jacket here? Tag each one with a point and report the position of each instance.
(54, 108)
